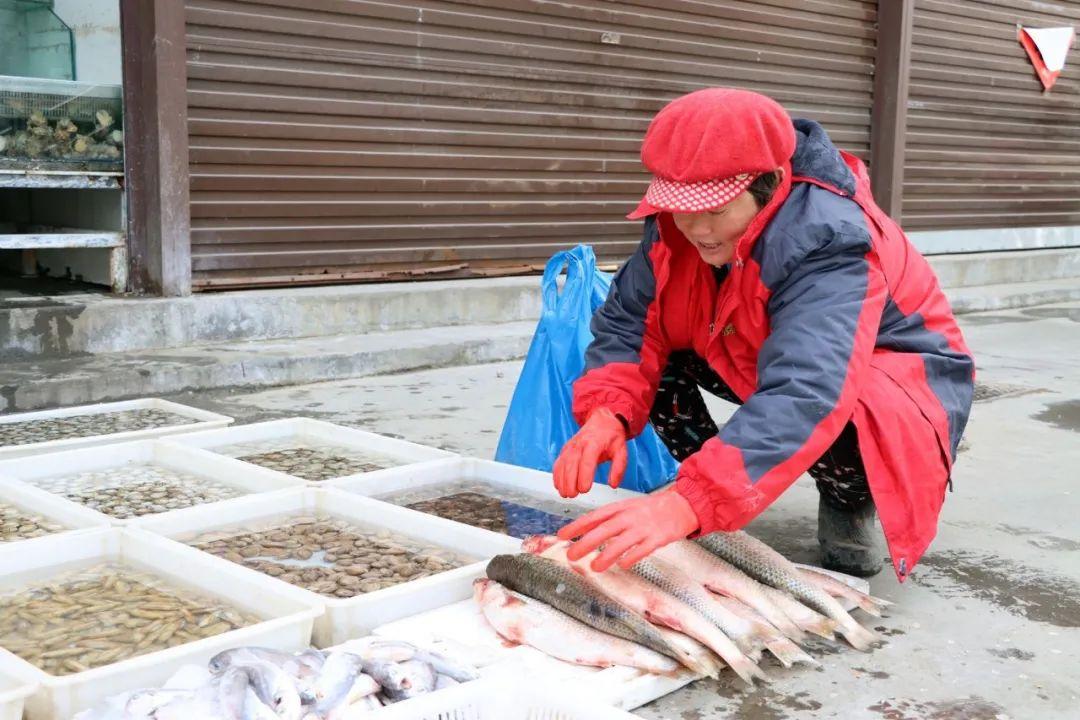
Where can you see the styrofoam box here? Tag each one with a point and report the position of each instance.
(198, 420)
(525, 698)
(243, 476)
(318, 431)
(525, 480)
(30, 499)
(347, 618)
(459, 628)
(16, 684)
(289, 612)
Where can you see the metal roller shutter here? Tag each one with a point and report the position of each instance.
(985, 147)
(357, 140)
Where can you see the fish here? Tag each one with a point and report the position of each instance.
(311, 659)
(225, 658)
(232, 689)
(656, 605)
(374, 648)
(769, 567)
(458, 671)
(388, 674)
(520, 619)
(275, 688)
(742, 624)
(255, 709)
(724, 578)
(563, 589)
(445, 681)
(419, 680)
(807, 619)
(335, 681)
(840, 589)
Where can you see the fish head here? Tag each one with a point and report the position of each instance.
(480, 588)
(285, 701)
(537, 544)
(219, 662)
(274, 687)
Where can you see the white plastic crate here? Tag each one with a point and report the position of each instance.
(289, 613)
(503, 699)
(518, 480)
(306, 430)
(460, 629)
(245, 478)
(347, 618)
(72, 516)
(196, 420)
(16, 684)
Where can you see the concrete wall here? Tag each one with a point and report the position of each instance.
(943, 242)
(96, 24)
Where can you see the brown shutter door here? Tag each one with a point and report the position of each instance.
(986, 147)
(354, 140)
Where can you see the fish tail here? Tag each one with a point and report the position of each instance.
(702, 664)
(788, 653)
(747, 669)
(786, 625)
(869, 604)
(819, 625)
(859, 637)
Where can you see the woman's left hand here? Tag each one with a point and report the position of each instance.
(631, 530)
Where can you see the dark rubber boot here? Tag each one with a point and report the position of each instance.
(848, 539)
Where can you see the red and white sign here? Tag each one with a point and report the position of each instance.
(1047, 48)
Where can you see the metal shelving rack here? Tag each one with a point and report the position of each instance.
(51, 160)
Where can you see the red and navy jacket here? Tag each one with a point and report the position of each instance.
(827, 315)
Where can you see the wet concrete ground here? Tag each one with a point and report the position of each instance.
(988, 626)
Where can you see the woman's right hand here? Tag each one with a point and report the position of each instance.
(601, 438)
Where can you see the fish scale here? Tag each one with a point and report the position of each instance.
(769, 567)
(547, 581)
(749, 635)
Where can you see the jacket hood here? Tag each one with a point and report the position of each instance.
(817, 158)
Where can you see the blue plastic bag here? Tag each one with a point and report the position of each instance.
(539, 420)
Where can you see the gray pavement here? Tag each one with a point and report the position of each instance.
(987, 627)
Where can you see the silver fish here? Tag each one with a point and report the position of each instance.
(545, 580)
(389, 675)
(748, 633)
(459, 671)
(419, 680)
(522, 620)
(767, 566)
(336, 680)
(225, 658)
(274, 687)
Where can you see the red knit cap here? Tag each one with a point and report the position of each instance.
(705, 148)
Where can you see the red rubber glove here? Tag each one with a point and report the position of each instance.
(631, 530)
(601, 438)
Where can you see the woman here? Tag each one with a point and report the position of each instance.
(768, 276)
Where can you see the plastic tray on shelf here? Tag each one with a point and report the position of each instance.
(524, 697)
(356, 616)
(287, 613)
(16, 684)
(459, 628)
(242, 477)
(521, 489)
(71, 516)
(303, 431)
(189, 419)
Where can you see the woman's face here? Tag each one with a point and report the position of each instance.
(715, 232)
